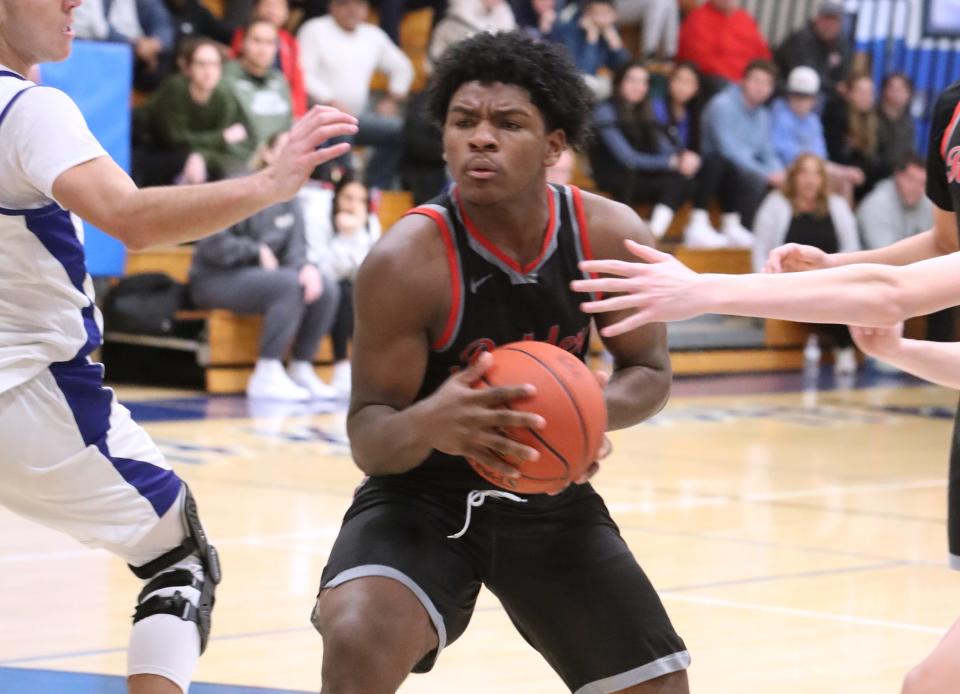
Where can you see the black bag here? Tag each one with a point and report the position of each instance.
(144, 304)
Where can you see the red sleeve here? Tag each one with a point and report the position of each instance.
(694, 42)
(237, 43)
(291, 68)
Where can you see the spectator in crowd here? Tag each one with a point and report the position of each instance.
(422, 169)
(806, 213)
(592, 38)
(539, 18)
(676, 110)
(721, 39)
(191, 128)
(736, 129)
(896, 130)
(192, 19)
(561, 173)
(797, 129)
(660, 20)
(277, 13)
(851, 127)
(631, 157)
(339, 53)
(145, 25)
(466, 18)
(897, 206)
(261, 89)
(260, 267)
(339, 250)
(820, 44)
(391, 13)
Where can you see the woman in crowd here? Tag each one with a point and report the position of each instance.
(260, 266)
(851, 127)
(632, 157)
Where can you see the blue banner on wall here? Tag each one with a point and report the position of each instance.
(98, 77)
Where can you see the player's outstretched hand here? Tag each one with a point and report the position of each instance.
(794, 257)
(303, 152)
(882, 343)
(659, 289)
(469, 422)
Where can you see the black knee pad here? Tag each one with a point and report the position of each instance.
(159, 576)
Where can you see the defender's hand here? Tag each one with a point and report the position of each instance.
(793, 257)
(660, 289)
(882, 343)
(469, 422)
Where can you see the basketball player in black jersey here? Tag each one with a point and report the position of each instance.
(489, 263)
(857, 288)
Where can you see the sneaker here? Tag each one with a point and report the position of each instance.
(341, 380)
(737, 235)
(845, 361)
(303, 374)
(699, 233)
(270, 382)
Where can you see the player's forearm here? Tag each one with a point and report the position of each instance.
(867, 295)
(386, 441)
(635, 394)
(169, 215)
(909, 250)
(937, 362)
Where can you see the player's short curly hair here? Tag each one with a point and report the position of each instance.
(543, 69)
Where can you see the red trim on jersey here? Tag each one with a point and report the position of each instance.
(492, 247)
(583, 231)
(948, 133)
(456, 282)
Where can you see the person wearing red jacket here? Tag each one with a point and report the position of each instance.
(277, 12)
(721, 40)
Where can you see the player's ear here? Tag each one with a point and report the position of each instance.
(556, 142)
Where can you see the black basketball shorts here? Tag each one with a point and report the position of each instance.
(558, 565)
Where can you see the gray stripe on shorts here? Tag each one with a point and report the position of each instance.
(658, 668)
(389, 572)
(955, 562)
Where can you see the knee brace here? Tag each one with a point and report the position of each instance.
(161, 575)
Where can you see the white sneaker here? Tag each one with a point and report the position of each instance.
(270, 382)
(303, 374)
(737, 235)
(845, 361)
(341, 379)
(699, 233)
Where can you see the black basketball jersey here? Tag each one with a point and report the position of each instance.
(943, 188)
(495, 301)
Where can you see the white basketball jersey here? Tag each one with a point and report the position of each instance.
(47, 311)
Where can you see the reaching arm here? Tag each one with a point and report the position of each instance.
(102, 193)
(870, 295)
(640, 384)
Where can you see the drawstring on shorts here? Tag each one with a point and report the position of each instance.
(475, 499)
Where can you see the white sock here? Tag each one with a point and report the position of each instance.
(298, 367)
(268, 365)
(660, 220)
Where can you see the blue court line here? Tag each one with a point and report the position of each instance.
(122, 649)
(23, 681)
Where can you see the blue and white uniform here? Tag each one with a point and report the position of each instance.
(72, 458)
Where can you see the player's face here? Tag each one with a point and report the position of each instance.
(495, 142)
(35, 31)
(911, 184)
(205, 68)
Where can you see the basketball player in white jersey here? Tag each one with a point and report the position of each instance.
(70, 456)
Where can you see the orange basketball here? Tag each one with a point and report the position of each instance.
(571, 401)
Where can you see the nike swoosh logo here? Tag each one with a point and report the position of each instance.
(475, 284)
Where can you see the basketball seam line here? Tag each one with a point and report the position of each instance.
(573, 400)
(554, 451)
